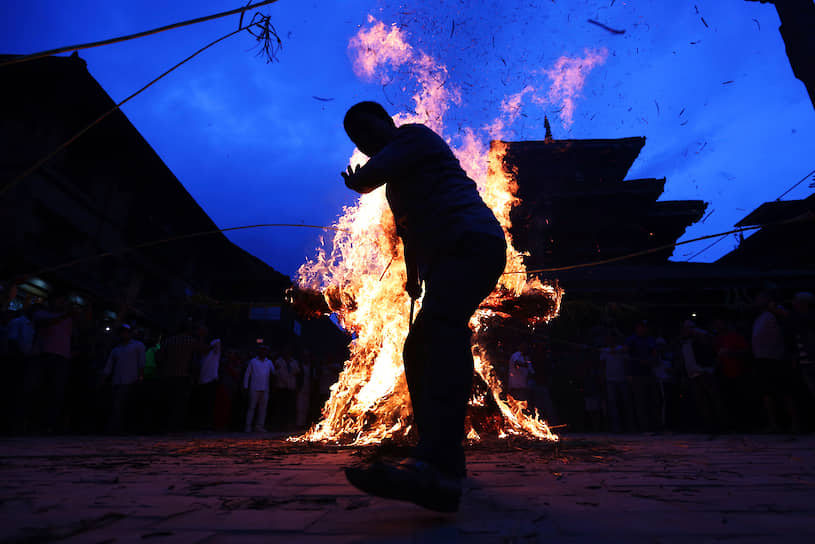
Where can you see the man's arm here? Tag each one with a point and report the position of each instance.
(109, 364)
(397, 156)
(141, 361)
(413, 286)
(51, 319)
(246, 376)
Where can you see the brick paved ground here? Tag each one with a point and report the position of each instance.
(230, 488)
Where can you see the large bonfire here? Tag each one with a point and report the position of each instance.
(360, 272)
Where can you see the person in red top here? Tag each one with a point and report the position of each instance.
(732, 352)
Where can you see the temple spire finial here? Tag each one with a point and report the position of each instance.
(548, 138)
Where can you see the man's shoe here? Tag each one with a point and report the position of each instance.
(411, 480)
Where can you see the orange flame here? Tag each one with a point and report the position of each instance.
(568, 76)
(362, 273)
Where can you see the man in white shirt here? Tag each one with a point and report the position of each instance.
(256, 381)
(699, 360)
(774, 369)
(520, 370)
(620, 403)
(125, 366)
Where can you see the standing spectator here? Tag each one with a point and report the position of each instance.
(520, 372)
(287, 372)
(229, 385)
(256, 381)
(207, 384)
(803, 328)
(618, 391)
(700, 363)
(314, 393)
(150, 394)
(732, 352)
(21, 334)
(150, 360)
(662, 377)
(642, 357)
(176, 360)
(329, 375)
(303, 391)
(773, 364)
(593, 395)
(125, 367)
(54, 328)
(20, 346)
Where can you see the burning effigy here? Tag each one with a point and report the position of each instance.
(359, 275)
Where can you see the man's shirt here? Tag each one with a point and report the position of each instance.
(125, 362)
(768, 338)
(21, 332)
(55, 338)
(210, 362)
(287, 371)
(614, 359)
(641, 355)
(519, 370)
(433, 200)
(257, 374)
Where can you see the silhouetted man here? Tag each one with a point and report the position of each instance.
(454, 244)
(125, 367)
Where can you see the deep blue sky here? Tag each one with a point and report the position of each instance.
(251, 144)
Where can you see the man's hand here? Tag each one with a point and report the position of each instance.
(348, 176)
(414, 289)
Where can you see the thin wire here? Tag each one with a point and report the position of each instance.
(174, 239)
(649, 251)
(337, 229)
(777, 199)
(6, 188)
(794, 186)
(65, 49)
(705, 248)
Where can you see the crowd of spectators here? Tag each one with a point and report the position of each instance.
(751, 371)
(67, 372)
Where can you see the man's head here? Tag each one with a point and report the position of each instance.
(369, 126)
(641, 328)
(263, 351)
(125, 333)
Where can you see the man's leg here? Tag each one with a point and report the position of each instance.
(115, 419)
(808, 372)
(414, 357)
(613, 411)
(58, 381)
(457, 284)
(263, 401)
(250, 410)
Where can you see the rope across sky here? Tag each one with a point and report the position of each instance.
(337, 229)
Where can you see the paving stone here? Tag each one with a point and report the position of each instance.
(233, 488)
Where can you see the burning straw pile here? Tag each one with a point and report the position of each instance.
(359, 276)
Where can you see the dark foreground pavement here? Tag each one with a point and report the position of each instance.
(228, 488)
